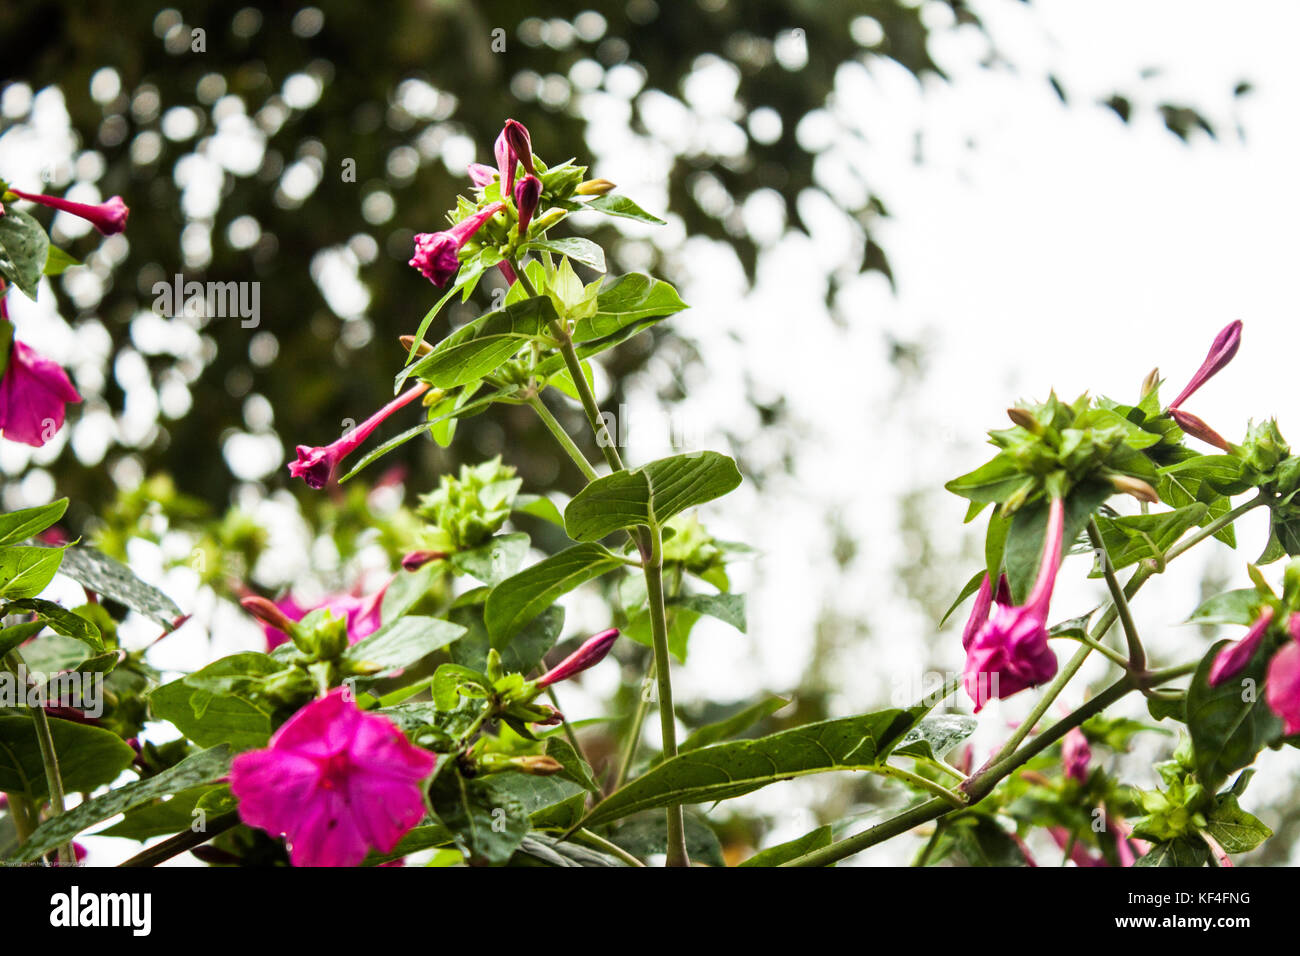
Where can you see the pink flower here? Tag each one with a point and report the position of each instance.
(362, 612)
(1282, 686)
(437, 254)
(528, 192)
(481, 175)
(108, 217)
(591, 653)
(32, 395)
(1222, 349)
(1230, 661)
(316, 465)
(335, 782)
(1076, 755)
(1008, 651)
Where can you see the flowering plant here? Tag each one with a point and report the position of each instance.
(423, 715)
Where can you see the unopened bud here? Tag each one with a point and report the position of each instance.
(549, 219)
(1136, 487)
(592, 652)
(423, 349)
(1150, 382)
(418, 559)
(1024, 419)
(266, 612)
(1197, 428)
(595, 187)
(539, 765)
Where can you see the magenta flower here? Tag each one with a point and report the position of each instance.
(437, 254)
(528, 191)
(1232, 660)
(1282, 686)
(1222, 349)
(33, 394)
(316, 465)
(1008, 651)
(591, 653)
(108, 217)
(335, 782)
(481, 175)
(1076, 755)
(362, 612)
(505, 158)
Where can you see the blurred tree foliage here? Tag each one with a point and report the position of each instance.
(399, 91)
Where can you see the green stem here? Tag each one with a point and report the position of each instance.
(45, 740)
(634, 732)
(650, 544)
(1137, 655)
(182, 842)
(1109, 652)
(568, 727)
(20, 811)
(561, 436)
(921, 783)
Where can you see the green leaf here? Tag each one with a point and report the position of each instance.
(16, 634)
(1025, 539)
(575, 247)
(518, 599)
(61, 620)
(197, 769)
(524, 651)
(57, 261)
(479, 347)
(163, 816)
(1233, 828)
(623, 208)
(401, 643)
(494, 560)
(935, 735)
(726, 770)
(575, 768)
(210, 720)
(646, 835)
(89, 757)
(1131, 538)
(114, 580)
(487, 820)
(729, 727)
(20, 525)
(1183, 852)
(25, 571)
(1231, 607)
(728, 608)
(967, 590)
(792, 849)
(630, 301)
(1229, 724)
(24, 247)
(539, 507)
(992, 482)
(649, 495)
(466, 279)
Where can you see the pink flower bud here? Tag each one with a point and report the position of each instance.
(521, 144)
(528, 191)
(592, 652)
(1197, 428)
(108, 217)
(481, 175)
(437, 253)
(1222, 349)
(418, 559)
(1076, 755)
(1232, 660)
(316, 465)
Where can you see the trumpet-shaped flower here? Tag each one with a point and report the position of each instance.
(335, 782)
(108, 217)
(1282, 686)
(316, 465)
(1007, 650)
(437, 254)
(1232, 660)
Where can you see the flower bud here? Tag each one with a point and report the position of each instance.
(1197, 428)
(539, 765)
(481, 175)
(1150, 382)
(1024, 419)
(418, 559)
(528, 192)
(423, 349)
(592, 652)
(109, 218)
(1136, 487)
(595, 187)
(520, 143)
(266, 612)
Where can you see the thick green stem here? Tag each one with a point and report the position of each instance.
(182, 842)
(613, 849)
(650, 544)
(955, 800)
